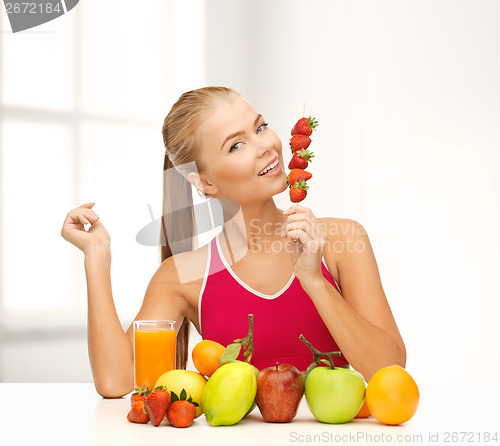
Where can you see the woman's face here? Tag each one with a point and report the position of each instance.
(235, 145)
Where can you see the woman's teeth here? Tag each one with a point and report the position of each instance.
(267, 169)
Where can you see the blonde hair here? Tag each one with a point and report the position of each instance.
(178, 220)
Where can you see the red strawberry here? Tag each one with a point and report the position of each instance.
(138, 395)
(305, 126)
(157, 403)
(298, 174)
(298, 142)
(298, 191)
(300, 159)
(138, 413)
(181, 413)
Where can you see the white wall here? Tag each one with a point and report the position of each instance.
(82, 100)
(407, 96)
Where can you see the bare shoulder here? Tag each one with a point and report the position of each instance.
(343, 234)
(343, 228)
(168, 295)
(348, 243)
(185, 271)
(186, 267)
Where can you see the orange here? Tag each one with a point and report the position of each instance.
(392, 395)
(206, 356)
(364, 412)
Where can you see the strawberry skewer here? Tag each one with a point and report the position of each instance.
(299, 143)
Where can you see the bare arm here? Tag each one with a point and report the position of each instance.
(361, 320)
(163, 299)
(110, 347)
(110, 351)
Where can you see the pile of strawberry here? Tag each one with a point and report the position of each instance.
(299, 142)
(154, 405)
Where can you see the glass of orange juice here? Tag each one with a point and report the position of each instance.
(154, 351)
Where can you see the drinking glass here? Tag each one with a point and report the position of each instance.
(154, 351)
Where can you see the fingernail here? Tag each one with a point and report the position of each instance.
(97, 215)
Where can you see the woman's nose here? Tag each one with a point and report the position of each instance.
(264, 147)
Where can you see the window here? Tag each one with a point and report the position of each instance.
(82, 100)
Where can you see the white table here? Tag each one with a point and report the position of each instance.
(69, 414)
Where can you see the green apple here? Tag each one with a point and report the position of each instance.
(334, 395)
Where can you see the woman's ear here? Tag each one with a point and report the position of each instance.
(201, 183)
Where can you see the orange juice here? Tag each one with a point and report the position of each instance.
(154, 352)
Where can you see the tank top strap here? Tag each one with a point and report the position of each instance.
(216, 263)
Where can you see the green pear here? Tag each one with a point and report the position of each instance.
(229, 393)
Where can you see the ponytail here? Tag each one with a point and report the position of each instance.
(177, 221)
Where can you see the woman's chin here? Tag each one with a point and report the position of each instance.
(284, 186)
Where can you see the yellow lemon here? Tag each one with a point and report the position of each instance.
(193, 382)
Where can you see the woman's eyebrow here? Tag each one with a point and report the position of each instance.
(232, 135)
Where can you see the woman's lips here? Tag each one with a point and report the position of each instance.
(272, 173)
(271, 163)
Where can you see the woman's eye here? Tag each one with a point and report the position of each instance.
(260, 129)
(235, 146)
(262, 125)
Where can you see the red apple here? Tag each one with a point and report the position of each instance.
(279, 391)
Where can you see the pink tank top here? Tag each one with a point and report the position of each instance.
(225, 302)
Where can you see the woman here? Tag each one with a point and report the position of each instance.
(296, 273)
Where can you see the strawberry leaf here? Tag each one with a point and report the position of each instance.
(190, 400)
(183, 394)
(306, 154)
(141, 390)
(312, 122)
(301, 184)
(173, 397)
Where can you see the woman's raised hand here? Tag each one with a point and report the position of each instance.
(73, 229)
(306, 240)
